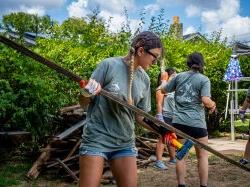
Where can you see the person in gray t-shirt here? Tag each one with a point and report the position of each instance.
(165, 108)
(192, 93)
(245, 106)
(109, 130)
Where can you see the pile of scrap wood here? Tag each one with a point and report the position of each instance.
(60, 157)
(13, 138)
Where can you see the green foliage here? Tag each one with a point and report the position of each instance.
(241, 127)
(216, 57)
(31, 94)
(12, 173)
(17, 21)
(28, 100)
(23, 22)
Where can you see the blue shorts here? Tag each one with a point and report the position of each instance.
(127, 152)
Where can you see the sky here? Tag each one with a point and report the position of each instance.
(205, 16)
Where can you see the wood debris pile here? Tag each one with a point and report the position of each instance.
(60, 157)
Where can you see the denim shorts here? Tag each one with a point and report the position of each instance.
(126, 152)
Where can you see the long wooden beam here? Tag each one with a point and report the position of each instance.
(108, 95)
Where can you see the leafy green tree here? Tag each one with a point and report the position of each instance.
(19, 22)
(23, 22)
(32, 94)
(40, 24)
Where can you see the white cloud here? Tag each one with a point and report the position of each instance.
(189, 30)
(30, 6)
(227, 18)
(114, 9)
(114, 6)
(118, 20)
(8, 4)
(192, 10)
(151, 9)
(78, 8)
(33, 10)
(237, 27)
(202, 4)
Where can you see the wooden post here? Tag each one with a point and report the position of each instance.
(232, 120)
(36, 168)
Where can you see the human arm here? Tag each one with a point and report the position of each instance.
(169, 86)
(88, 90)
(246, 103)
(159, 104)
(93, 86)
(208, 103)
(245, 106)
(206, 96)
(168, 136)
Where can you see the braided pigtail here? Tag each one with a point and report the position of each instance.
(131, 75)
(146, 40)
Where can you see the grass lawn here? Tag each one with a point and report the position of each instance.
(12, 172)
(241, 127)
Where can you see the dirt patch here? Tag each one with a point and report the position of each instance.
(221, 174)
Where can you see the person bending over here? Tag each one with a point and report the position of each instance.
(109, 130)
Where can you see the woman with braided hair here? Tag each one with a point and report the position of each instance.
(109, 130)
(192, 94)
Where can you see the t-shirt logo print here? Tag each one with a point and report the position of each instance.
(188, 93)
(114, 88)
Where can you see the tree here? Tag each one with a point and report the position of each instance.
(73, 27)
(21, 22)
(40, 24)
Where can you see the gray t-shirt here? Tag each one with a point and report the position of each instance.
(110, 126)
(189, 87)
(168, 105)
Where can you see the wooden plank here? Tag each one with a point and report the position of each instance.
(68, 170)
(143, 143)
(73, 150)
(70, 108)
(65, 160)
(36, 168)
(14, 133)
(70, 130)
(148, 139)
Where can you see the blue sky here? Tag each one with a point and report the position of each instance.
(205, 16)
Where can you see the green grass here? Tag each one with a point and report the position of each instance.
(13, 172)
(241, 127)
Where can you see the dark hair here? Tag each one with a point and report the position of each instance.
(170, 71)
(146, 39)
(195, 61)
